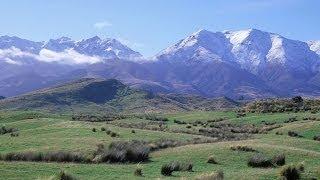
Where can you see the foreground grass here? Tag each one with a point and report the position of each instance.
(54, 132)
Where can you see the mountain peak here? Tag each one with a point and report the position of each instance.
(315, 46)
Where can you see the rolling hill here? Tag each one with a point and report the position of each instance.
(91, 95)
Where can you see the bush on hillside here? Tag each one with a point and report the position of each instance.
(279, 159)
(122, 151)
(5, 130)
(169, 168)
(316, 138)
(65, 176)
(138, 171)
(294, 134)
(212, 160)
(259, 160)
(290, 172)
(243, 148)
(58, 156)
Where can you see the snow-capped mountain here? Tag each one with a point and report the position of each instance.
(62, 48)
(251, 49)
(247, 63)
(315, 46)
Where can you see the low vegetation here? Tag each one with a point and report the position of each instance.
(243, 148)
(6, 130)
(59, 156)
(211, 176)
(169, 168)
(292, 172)
(261, 160)
(212, 160)
(122, 151)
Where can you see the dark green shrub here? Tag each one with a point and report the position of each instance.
(103, 129)
(259, 160)
(133, 131)
(108, 131)
(94, 129)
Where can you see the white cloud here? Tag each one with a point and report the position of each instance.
(69, 56)
(101, 25)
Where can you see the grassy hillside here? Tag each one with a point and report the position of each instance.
(100, 96)
(41, 132)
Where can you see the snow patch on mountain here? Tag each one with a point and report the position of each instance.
(202, 45)
(251, 49)
(64, 50)
(315, 46)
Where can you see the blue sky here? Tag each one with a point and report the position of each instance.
(149, 26)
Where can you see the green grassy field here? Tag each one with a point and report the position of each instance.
(42, 132)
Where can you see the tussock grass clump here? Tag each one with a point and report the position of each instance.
(133, 131)
(14, 134)
(279, 133)
(103, 129)
(94, 130)
(123, 151)
(279, 159)
(212, 176)
(259, 160)
(114, 134)
(316, 137)
(96, 118)
(243, 148)
(58, 156)
(138, 171)
(155, 118)
(290, 172)
(169, 168)
(179, 122)
(5, 130)
(291, 119)
(111, 133)
(212, 160)
(294, 134)
(65, 176)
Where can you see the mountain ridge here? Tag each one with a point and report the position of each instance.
(247, 63)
